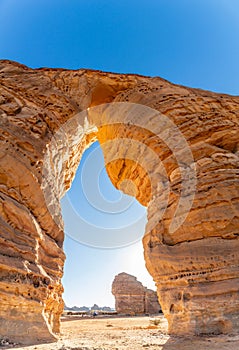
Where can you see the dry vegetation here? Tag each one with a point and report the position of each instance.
(132, 333)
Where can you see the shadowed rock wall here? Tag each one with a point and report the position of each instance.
(195, 264)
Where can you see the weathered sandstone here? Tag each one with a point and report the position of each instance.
(131, 297)
(194, 262)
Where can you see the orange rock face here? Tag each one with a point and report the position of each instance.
(131, 297)
(178, 150)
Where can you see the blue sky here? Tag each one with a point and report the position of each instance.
(189, 42)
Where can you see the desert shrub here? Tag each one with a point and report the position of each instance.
(155, 321)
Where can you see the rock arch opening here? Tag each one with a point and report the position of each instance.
(91, 264)
(191, 241)
(97, 214)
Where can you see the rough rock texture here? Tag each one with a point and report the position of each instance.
(131, 297)
(195, 265)
(151, 302)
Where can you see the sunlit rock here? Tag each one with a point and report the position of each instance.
(180, 156)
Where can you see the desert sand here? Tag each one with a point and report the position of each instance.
(131, 333)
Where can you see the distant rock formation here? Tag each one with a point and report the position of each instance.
(77, 308)
(131, 297)
(106, 309)
(95, 307)
(152, 305)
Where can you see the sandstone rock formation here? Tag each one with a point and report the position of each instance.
(194, 262)
(152, 305)
(131, 297)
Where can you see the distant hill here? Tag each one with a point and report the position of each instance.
(95, 307)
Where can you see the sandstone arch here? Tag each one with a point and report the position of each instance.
(196, 268)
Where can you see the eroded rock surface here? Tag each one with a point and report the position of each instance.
(131, 297)
(195, 265)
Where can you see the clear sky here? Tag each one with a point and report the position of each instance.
(189, 42)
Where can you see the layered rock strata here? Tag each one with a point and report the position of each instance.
(152, 305)
(132, 298)
(188, 179)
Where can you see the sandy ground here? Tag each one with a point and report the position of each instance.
(132, 333)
